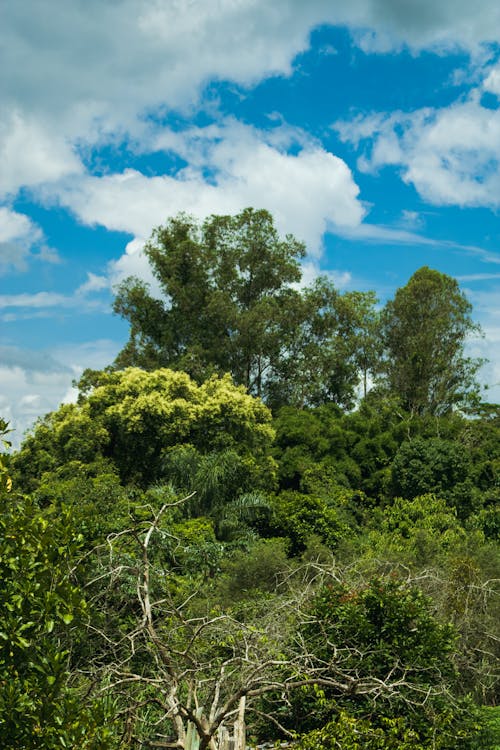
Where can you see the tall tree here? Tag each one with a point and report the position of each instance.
(227, 294)
(319, 363)
(231, 304)
(424, 329)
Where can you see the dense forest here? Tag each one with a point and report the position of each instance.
(274, 516)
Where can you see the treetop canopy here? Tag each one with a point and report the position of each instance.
(133, 416)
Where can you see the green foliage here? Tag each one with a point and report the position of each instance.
(39, 604)
(232, 307)
(489, 738)
(419, 532)
(227, 286)
(348, 732)
(488, 519)
(382, 630)
(298, 517)
(215, 478)
(98, 503)
(195, 550)
(134, 417)
(256, 570)
(424, 330)
(5, 480)
(428, 465)
(205, 607)
(328, 343)
(354, 450)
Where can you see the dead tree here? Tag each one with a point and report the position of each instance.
(198, 670)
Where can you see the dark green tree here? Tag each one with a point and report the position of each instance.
(231, 304)
(385, 629)
(424, 330)
(433, 465)
(227, 298)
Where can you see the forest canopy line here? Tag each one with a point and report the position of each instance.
(232, 303)
(274, 516)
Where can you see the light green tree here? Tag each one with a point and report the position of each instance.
(133, 417)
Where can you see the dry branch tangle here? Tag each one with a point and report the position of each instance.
(203, 671)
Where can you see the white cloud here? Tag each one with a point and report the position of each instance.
(14, 225)
(385, 25)
(26, 394)
(33, 383)
(134, 263)
(311, 270)
(478, 277)
(18, 236)
(32, 152)
(40, 303)
(451, 155)
(308, 192)
(492, 81)
(36, 300)
(94, 283)
(84, 73)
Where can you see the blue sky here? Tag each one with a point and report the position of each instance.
(370, 129)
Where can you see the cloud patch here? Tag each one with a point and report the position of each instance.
(451, 155)
(38, 381)
(89, 73)
(231, 166)
(20, 238)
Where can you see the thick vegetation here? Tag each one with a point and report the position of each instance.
(213, 539)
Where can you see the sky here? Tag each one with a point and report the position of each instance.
(369, 128)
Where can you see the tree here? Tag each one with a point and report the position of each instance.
(133, 418)
(327, 346)
(39, 603)
(298, 517)
(231, 304)
(385, 629)
(425, 328)
(227, 297)
(183, 665)
(424, 466)
(180, 665)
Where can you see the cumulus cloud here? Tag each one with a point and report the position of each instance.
(88, 74)
(84, 73)
(308, 191)
(451, 155)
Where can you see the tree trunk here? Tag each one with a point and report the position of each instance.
(239, 726)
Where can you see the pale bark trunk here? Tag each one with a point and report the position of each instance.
(239, 726)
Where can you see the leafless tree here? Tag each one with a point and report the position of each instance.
(195, 670)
